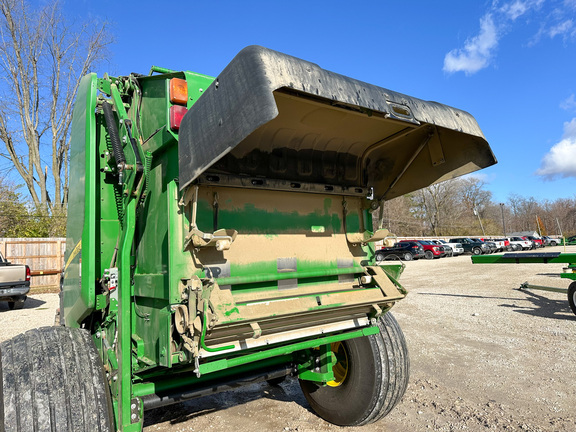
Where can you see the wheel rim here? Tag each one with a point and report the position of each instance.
(340, 369)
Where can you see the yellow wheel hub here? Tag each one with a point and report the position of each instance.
(340, 369)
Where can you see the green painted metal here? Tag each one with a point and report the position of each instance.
(526, 285)
(282, 354)
(81, 256)
(125, 318)
(256, 278)
(185, 378)
(160, 70)
(317, 364)
(283, 350)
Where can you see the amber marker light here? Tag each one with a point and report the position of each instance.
(178, 91)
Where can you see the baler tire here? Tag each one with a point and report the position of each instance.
(53, 380)
(572, 297)
(377, 374)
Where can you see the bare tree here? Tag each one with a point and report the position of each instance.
(43, 57)
(436, 204)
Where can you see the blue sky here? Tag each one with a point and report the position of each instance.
(511, 64)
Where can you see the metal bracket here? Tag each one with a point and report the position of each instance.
(388, 288)
(316, 364)
(136, 409)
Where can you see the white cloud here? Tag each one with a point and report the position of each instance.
(569, 103)
(561, 159)
(515, 9)
(555, 18)
(565, 28)
(477, 51)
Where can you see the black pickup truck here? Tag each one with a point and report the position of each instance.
(473, 246)
(14, 283)
(404, 250)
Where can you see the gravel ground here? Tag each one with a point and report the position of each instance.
(485, 356)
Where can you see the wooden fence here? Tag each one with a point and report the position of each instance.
(44, 256)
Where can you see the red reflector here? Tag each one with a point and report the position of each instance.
(178, 91)
(176, 114)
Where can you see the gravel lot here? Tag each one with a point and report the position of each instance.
(484, 356)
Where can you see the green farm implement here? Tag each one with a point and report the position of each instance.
(220, 232)
(540, 258)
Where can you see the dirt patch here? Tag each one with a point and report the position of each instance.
(485, 356)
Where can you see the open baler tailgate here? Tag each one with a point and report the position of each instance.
(276, 116)
(276, 160)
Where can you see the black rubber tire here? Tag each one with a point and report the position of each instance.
(378, 373)
(552, 243)
(53, 380)
(477, 251)
(379, 257)
(408, 256)
(428, 255)
(572, 297)
(18, 303)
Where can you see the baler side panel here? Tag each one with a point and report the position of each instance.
(82, 247)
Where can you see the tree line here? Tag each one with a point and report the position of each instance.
(464, 207)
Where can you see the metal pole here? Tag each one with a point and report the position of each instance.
(503, 223)
(559, 229)
(477, 213)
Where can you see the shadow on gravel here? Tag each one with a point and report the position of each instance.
(30, 303)
(541, 306)
(544, 307)
(288, 391)
(552, 275)
(465, 296)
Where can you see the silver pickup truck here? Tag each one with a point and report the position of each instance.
(14, 283)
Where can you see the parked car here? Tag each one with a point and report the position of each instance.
(431, 250)
(14, 283)
(552, 241)
(539, 243)
(404, 250)
(447, 248)
(522, 242)
(532, 242)
(457, 248)
(490, 244)
(500, 244)
(471, 246)
(505, 244)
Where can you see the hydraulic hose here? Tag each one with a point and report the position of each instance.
(114, 135)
